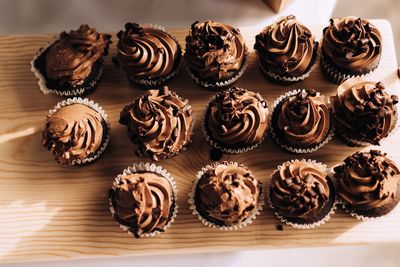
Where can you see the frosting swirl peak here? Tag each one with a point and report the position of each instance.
(352, 44)
(214, 51)
(73, 132)
(147, 52)
(237, 117)
(159, 122)
(142, 202)
(286, 47)
(368, 180)
(363, 110)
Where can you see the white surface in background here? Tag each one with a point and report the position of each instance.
(43, 16)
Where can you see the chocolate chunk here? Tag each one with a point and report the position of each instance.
(216, 154)
(279, 227)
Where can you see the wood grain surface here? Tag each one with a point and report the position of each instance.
(50, 212)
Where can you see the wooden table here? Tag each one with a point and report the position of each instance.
(50, 212)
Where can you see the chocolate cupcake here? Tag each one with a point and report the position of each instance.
(143, 200)
(236, 120)
(159, 122)
(73, 63)
(350, 47)
(368, 184)
(216, 54)
(300, 121)
(301, 194)
(76, 131)
(287, 51)
(364, 113)
(226, 196)
(149, 55)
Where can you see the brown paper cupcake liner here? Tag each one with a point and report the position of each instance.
(297, 225)
(227, 149)
(335, 75)
(104, 116)
(220, 84)
(147, 83)
(278, 139)
(148, 167)
(346, 208)
(192, 204)
(288, 80)
(42, 81)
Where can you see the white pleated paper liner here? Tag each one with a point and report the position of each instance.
(335, 75)
(192, 204)
(227, 149)
(352, 211)
(104, 116)
(219, 84)
(155, 83)
(325, 219)
(280, 140)
(42, 82)
(148, 167)
(288, 80)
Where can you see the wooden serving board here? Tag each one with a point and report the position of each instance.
(50, 212)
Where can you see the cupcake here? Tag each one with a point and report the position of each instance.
(143, 200)
(149, 55)
(73, 63)
(301, 194)
(350, 47)
(76, 131)
(364, 113)
(159, 122)
(236, 120)
(215, 54)
(226, 196)
(368, 184)
(300, 121)
(287, 51)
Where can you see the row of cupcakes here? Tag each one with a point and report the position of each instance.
(215, 54)
(236, 120)
(228, 196)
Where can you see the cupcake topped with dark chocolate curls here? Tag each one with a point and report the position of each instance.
(301, 121)
(351, 47)
(236, 120)
(287, 50)
(215, 53)
(227, 194)
(149, 55)
(302, 194)
(159, 122)
(363, 111)
(368, 183)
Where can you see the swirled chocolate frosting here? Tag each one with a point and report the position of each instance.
(147, 52)
(73, 132)
(71, 58)
(159, 122)
(301, 190)
(352, 44)
(237, 117)
(368, 180)
(286, 47)
(214, 51)
(227, 194)
(302, 120)
(143, 202)
(364, 111)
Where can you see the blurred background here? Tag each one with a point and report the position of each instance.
(54, 16)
